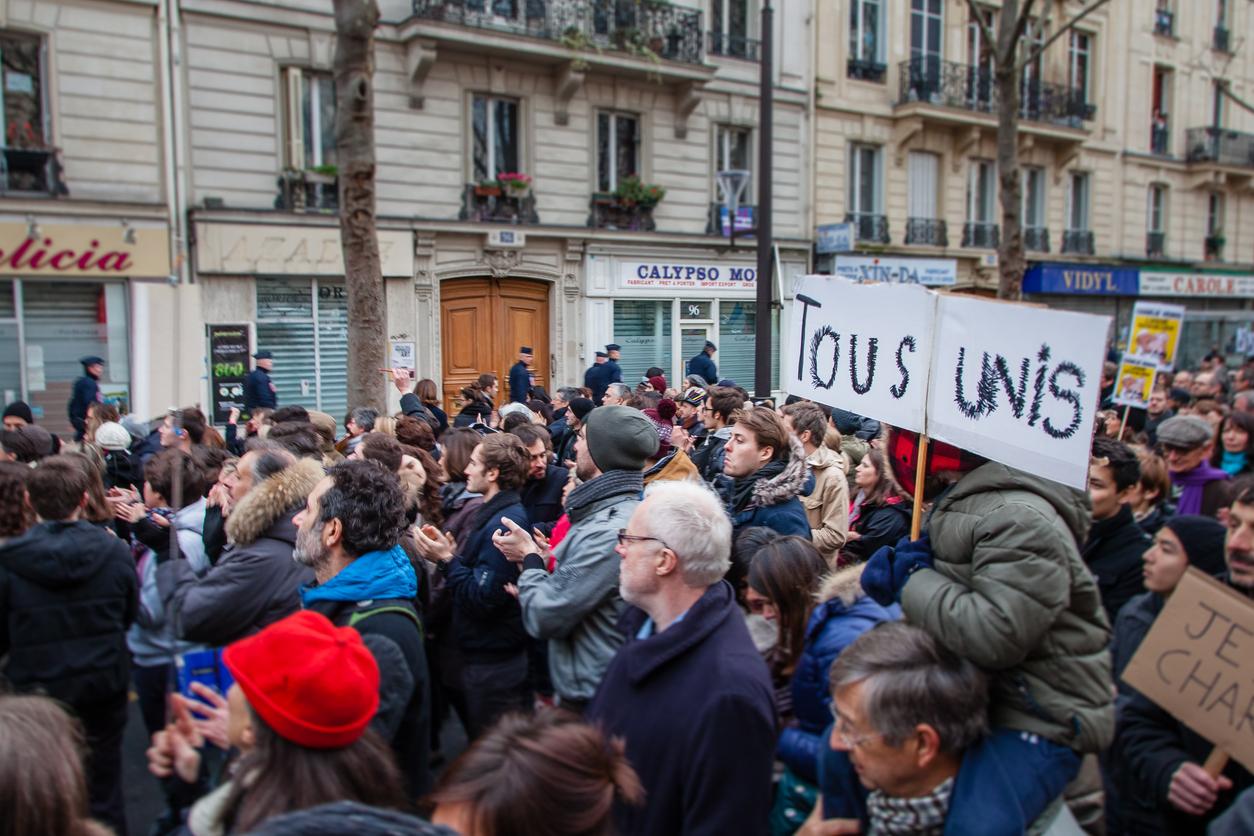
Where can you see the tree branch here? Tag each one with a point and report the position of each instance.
(986, 28)
(1062, 30)
(1226, 89)
(1025, 17)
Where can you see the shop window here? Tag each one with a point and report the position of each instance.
(618, 149)
(736, 324)
(643, 329)
(305, 324)
(494, 127)
(29, 160)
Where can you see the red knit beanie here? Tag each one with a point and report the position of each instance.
(314, 683)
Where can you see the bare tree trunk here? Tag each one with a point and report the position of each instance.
(1011, 259)
(355, 21)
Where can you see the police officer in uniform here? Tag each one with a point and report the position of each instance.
(519, 376)
(259, 390)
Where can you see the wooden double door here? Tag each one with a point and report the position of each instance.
(483, 322)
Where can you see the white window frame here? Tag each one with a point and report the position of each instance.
(1156, 206)
(490, 115)
(857, 29)
(919, 9)
(1076, 52)
(856, 151)
(975, 40)
(974, 196)
(722, 149)
(1031, 175)
(614, 116)
(1215, 212)
(935, 213)
(722, 27)
(1085, 206)
(295, 81)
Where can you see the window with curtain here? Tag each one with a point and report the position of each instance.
(866, 31)
(733, 150)
(643, 329)
(865, 180)
(1078, 211)
(495, 136)
(1080, 64)
(1033, 197)
(618, 149)
(1157, 220)
(924, 184)
(982, 192)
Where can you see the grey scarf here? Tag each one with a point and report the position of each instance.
(612, 483)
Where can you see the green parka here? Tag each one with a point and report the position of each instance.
(1010, 592)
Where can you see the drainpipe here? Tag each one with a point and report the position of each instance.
(170, 32)
(812, 109)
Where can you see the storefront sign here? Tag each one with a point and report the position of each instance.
(1081, 279)
(291, 250)
(938, 272)
(84, 250)
(1155, 332)
(1176, 283)
(668, 274)
(229, 348)
(833, 238)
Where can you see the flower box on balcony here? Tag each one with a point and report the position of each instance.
(484, 205)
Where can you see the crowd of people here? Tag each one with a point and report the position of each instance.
(654, 609)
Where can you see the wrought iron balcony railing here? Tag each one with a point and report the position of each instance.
(606, 211)
(1222, 39)
(1077, 241)
(929, 231)
(497, 206)
(734, 46)
(307, 191)
(1155, 244)
(1036, 238)
(981, 235)
(1219, 145)
(950, 84)
(866, 70)
(651, 28)
(869, 228)
(1164, 22)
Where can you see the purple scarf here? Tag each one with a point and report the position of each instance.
(1194, 482)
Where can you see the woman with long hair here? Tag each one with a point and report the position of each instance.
(429, 396)
(545, 773)
(98, 511)
(1234, 454)
(880, 513)
(459, 504)
(16, 515)
(818, 615)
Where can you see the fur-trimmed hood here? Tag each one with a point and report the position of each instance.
(268, 501)
(791, 483)
(844, 585)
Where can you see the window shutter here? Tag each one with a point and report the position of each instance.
(292, 81)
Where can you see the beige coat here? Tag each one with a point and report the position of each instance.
(827, 506)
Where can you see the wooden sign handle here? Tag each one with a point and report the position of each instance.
(920, 471)
(1215, 762)
(1124, 423)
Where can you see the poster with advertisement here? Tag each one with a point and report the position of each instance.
(1155, 332)
(1134, 382)
(229, 348)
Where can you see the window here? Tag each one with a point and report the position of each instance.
(1160, 127)
(27, 139)
(866, 40)
(618, 149)
(1080, 64)
(924, 184)
(729, 21)
(1157, 220)
(981, 58)
(733, 151)
(494, 125)
(1078, 202)
(1034, 197)
(1217, 107)
(926, 47)
(305, 323)
(865, 180)
(643, 329)
(981, 192)
(1030, 82)
(310, 114)
(1214, 227)
(1164, 18)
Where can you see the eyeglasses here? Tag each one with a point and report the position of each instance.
(852, 741)
(624, 538)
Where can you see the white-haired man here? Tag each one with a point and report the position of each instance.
(687, 691)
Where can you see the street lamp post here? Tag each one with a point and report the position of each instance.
(762, 332)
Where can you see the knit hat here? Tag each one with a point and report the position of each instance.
(19, 409)
(658, 383)
(511, 408)
(313, 683)
(581, 407)
(620, 438)
(663, 418)
(112, 436)
(694, 396)
(1185, 431)
(1203, 541)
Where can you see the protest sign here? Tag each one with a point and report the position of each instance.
(864, 348)
(1197, 663)
(1017, 384)
(1155, 332)
(1134, 382)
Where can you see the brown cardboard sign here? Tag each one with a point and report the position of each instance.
(1197, 662)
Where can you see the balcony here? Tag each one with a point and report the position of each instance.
(608, 211)
(651, 29)
(1222, 39)
(1165, 23)
(1160, 140)
(1036, 239)
(926, 231)
(931, 83)
(1155, 244)
(1213, 247)
(1217, 145)
(308, 191)
(490, 204)
(872, 71)
(1077, 241)
(980, 235)
(869, 228)
(32, 171)
(726, 45)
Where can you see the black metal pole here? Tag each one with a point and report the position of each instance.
(765, 274)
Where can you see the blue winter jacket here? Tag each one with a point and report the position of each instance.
(704, 366)
(844, 614)
(776, 502)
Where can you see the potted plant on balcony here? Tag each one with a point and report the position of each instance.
(632, 192)
(487, 188)
(514, 183)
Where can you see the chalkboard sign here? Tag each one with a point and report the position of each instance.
(228, 366)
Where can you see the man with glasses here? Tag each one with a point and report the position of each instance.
(717, 414)
(687, 692)
(1186, 443)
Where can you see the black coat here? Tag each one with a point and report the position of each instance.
(598, 377)
(86, 392)
(259, 391)
(879, 525)
(68, 594)
(703, 365)
(695, 706)
(519, 382)
(543, 497)
(1113, 554)
(413, 407)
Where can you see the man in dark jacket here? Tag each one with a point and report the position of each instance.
(487, 619)
(1198, 487)
(687, 692)
(258, 388)
(598, 377)
(703, 364)
(718, 413)
(766, 470)
(561, 409)
(68, 594)
(613, 353)
(86, 393)
(564, 453)
(1115, 542)
(520, 377)
(349, 533)
(542, 492)
(255, 582)
(1156, 413)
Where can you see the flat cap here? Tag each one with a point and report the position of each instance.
(1186, 431)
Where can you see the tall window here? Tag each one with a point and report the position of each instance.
(1160, 127)
(981, 59)
(1214, 214)
(1217, 108)
(310, 118)
(981, 192)
(926, 45)
(1156, 222)
(1034, 198)
(494, 124)
(865, 180)
(1030, 83)
(618, 149)
(924, 185)
(1080, 64)
(733, 151)
(866, 37)
(26, 128)
(729, 23)
(1078, 202)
